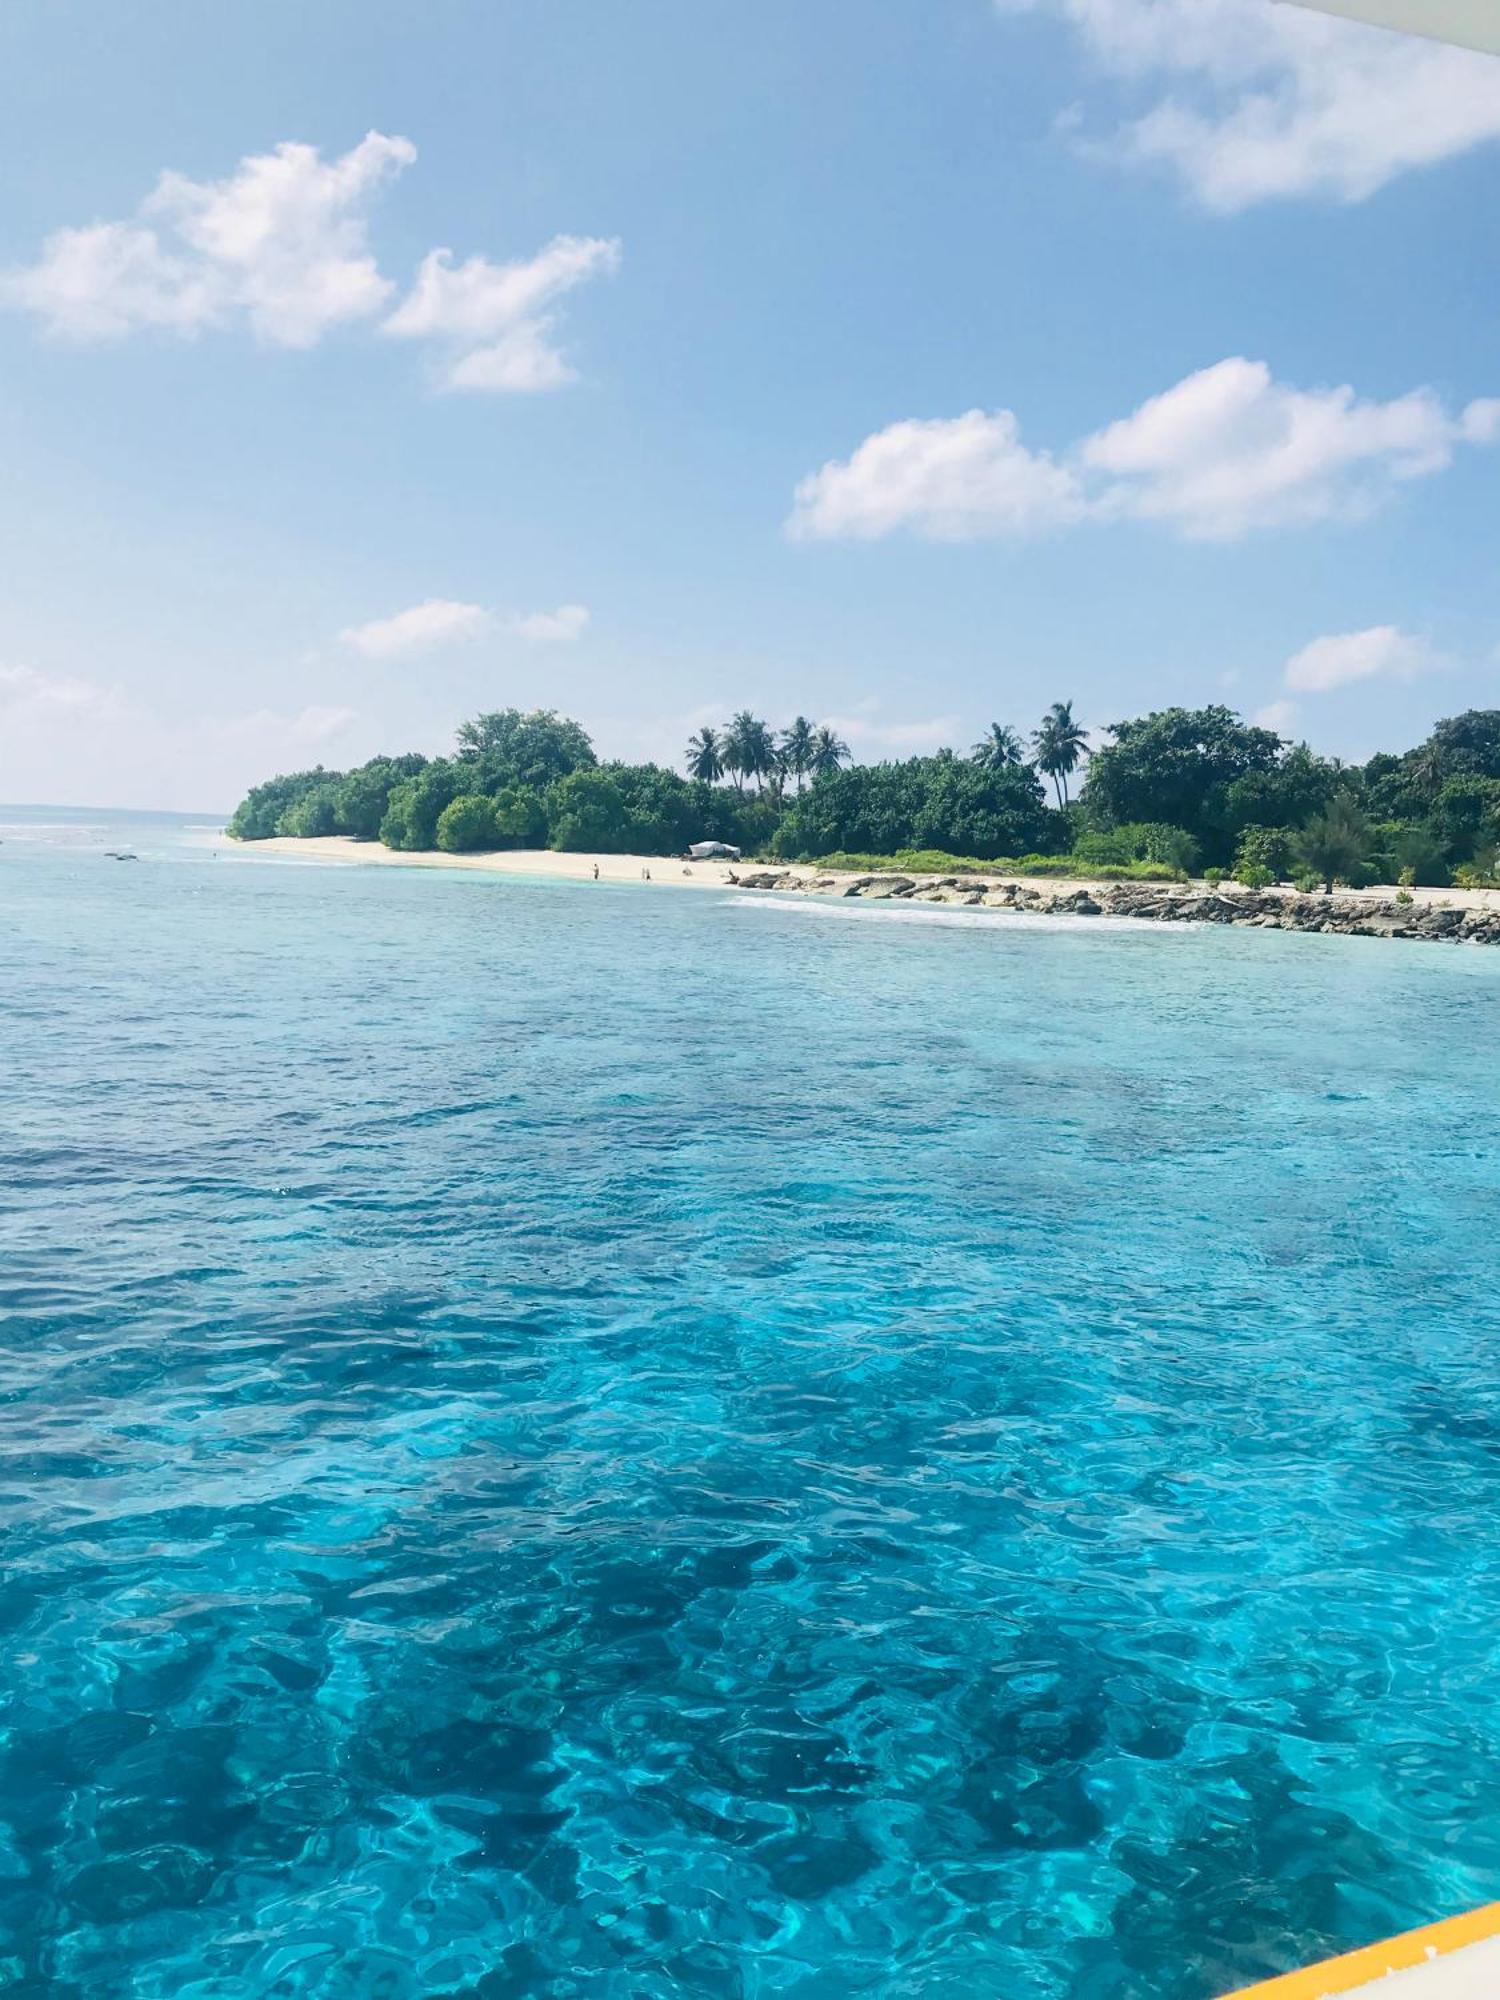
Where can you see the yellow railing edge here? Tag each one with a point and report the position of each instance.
(1376, 1961)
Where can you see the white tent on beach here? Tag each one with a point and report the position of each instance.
(1473, 24)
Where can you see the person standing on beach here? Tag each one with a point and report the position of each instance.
(596, 871)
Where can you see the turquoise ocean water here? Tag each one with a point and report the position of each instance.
(584, 1440)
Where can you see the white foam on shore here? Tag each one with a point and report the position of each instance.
(883, 910)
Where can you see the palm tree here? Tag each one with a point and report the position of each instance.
(767, 758)
(998, 747)
(705, 759)
(1060, 744)
(797, 749)
(749, 749)
(829, 753)
(734, 749)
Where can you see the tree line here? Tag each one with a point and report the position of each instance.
(1173, 792)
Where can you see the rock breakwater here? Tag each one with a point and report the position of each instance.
(1421, 918)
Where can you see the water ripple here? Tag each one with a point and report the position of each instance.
(567, 1441)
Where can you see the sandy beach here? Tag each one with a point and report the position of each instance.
(520, 861)
(673, 870)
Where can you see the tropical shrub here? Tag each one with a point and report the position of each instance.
(520, 817)
(933, 861)
(1119, 846)
(1267, 847)
(467, 823)
(1415, 851)
(1483, 872)
(1335, 846)
(1253, 875)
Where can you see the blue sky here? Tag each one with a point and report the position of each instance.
(1216, 280)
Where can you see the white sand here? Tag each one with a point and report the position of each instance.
(519, 861)
(673, 870)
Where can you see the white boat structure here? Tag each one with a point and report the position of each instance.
(1472, 24)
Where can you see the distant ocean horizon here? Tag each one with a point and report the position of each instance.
(560, 1438)
(22, 814)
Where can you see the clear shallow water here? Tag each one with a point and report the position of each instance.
(581, 1440)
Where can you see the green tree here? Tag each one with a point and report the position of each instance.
(704, 760)
(313, 816)
(1336, 844)
(364, 794)
(1177, 765)
(467, 823)
(1462, 749)
(1465, 815)
(663, 813)
(797, 750)
(1285, 793)
(938, 802)
(1463, 746)
(1060, 746)
(259, 814)
(998, 747)
(532, 750)
(586, 814)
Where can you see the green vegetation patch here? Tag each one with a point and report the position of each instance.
(933, 861)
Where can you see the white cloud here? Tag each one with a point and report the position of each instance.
(312, 725)
(559, 627)
(1229, 450)
(1256, 101)
(1277, 715)
(437, 622)
(282, 246)
(1480, 422)
(1224, 452)
(25, 692)
(951, 479)
(494, 319)
(282, 242)
(866, 734)
(1381, 653)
